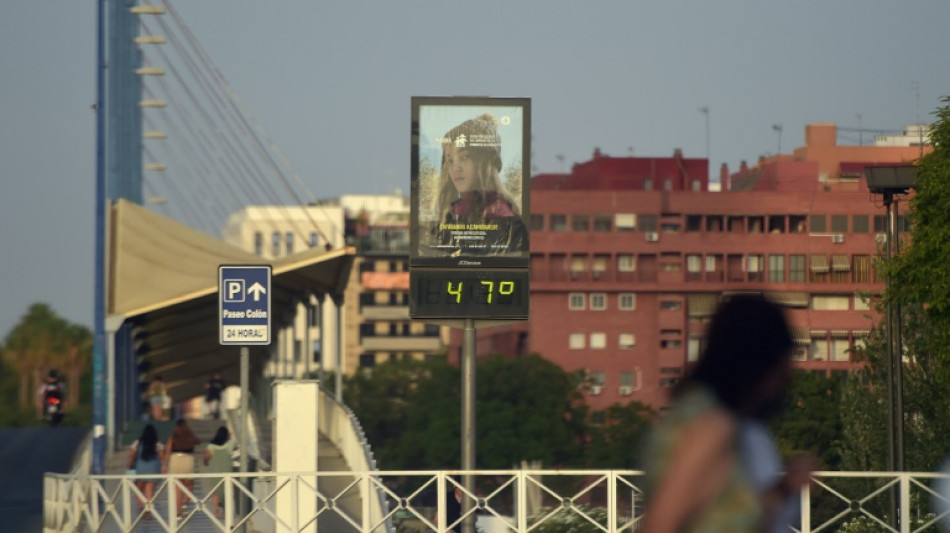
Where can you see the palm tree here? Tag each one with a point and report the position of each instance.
(31, 348)
(77, 357)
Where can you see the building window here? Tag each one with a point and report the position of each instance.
(314, 240)
(627, 301)
(667, 344)
(648, 184)
(576, 301)
(830, 302)
(756, 264)
(859, 224)
(711, 262)
(839, 223)
(598, 301)
(577, 341)
(289, 242)
(861, 302)
(777, 268)
(694, 264)
(578, 265)
(818, 224)
(819, 346)
(819, 268)
(598, 341)
(537, 222)
(275, 244)
(840, 348)
(697, 186)
(670, 305)
(861, 273)
(367, 360)
(880, 224)
(626, 263)
(648, 223)
(598, 266)
(258, 243)
(626, 341)
(558, 222)
(580, 222)
(625, 221)
(602, 223)
(692, 349)
(796, 268)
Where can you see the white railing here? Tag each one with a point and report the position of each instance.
(519, 501)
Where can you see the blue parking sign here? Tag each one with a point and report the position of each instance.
(244, 304)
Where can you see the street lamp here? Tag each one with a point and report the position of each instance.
(890, 181)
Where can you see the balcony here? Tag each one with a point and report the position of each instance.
(401, 344)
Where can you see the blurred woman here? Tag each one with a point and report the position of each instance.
(218, 459)
(181, 458)
(146, 457)
(695, 478)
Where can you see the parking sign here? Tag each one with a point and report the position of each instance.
(244, 304)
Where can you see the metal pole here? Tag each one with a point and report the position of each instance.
(245, 363)
(338, 386)
(99, 376)
(468, 420)
(898, 356)
(890, 326)
(245, 392)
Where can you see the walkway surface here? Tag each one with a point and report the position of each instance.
(25, 455)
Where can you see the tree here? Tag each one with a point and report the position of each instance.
(618, 442)
(527, 409)
(918, 283)
(41, 341)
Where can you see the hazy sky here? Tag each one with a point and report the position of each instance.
(330, 82)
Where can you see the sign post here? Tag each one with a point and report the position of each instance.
(244, 313)
(468, 248)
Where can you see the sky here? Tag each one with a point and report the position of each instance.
(331, 81)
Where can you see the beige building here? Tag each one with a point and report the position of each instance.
(374, 321)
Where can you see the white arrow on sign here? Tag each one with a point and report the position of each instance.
(257, 290)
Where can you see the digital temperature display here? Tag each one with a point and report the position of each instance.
(462, 293)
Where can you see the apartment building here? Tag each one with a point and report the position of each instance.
(630, 256)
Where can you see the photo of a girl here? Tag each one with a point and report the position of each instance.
(472, 210)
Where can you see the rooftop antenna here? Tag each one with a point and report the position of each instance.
(778, 128)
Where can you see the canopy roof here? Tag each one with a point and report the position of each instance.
(163, 280)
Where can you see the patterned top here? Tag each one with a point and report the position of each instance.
(737, 507)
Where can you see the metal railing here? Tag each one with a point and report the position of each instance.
(519, 501)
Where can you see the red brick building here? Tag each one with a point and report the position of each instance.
(630, 256)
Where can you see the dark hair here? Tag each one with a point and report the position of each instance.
(747, 339)
(183, 438)
(148, 443)
(221, 436)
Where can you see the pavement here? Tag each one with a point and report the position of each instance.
(25, 455)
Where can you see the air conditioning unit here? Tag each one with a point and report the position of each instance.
(652, 236)
(880, 238)
(595, 390)
(626, 390)
(837, 238)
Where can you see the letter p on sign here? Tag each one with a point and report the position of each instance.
(234, 290)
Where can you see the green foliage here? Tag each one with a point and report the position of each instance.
(570, 520)
(40, 341)
(918, 285)
(618, 442)
(811, 420)
(527, 409)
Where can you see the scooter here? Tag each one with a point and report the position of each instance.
(52, 410)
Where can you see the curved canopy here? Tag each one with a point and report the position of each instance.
(163, 280)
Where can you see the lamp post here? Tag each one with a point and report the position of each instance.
(890, 181)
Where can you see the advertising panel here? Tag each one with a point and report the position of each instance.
(470, 182)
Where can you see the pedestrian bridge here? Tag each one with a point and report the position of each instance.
(519, 501)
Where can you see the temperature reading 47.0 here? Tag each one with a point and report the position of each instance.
(505, 288)
(477, 294)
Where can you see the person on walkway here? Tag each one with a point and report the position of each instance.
(213, 389)
(218, 459)
(181, 458)
(157, 391)
(695, 479)
(146, 458)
